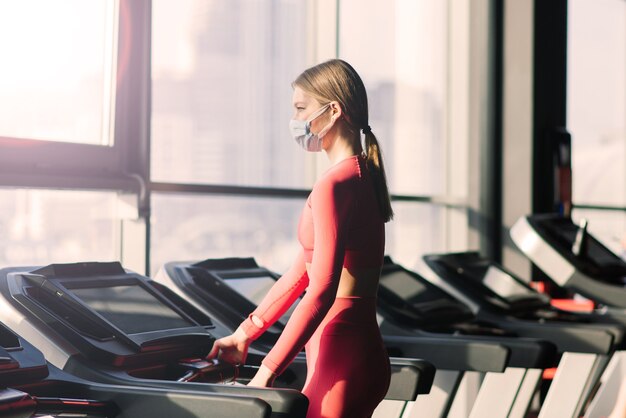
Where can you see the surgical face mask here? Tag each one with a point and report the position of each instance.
(301, 131)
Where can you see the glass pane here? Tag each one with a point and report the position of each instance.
(56, 77)
(417, 229)
(40, 227)
(194, 228)
(607, 227)
(188, 228)
(404, 68)
(221, 98)
(597, 100)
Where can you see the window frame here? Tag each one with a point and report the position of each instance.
(27, 162)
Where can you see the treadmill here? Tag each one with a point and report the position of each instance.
(239, 284)
(586, 341)
(29, 386)
(573, 258)
(410, 377)
(104, 324)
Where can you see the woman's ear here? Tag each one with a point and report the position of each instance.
(335, 110)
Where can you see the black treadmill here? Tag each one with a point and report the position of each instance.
(572, 257)
(226, 304)
(29, 386)
(504, 300)
(101, 323)
(496, 292)
(239, 284)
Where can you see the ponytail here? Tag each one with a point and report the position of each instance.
(374, 161)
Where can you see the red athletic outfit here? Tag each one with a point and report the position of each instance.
(348, 367)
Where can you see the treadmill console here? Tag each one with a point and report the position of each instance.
(580, 248)
(412, 300)
(235, 286)
(488, 281)
(254, 289)
(111, 315)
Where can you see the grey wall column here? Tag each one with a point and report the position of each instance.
(133, 126)
(517, 123)
(484, 172)
(534, 99)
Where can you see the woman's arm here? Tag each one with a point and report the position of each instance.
(331, 203)
(280, 297)
(234, 348)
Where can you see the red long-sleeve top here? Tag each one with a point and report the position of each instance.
(340, 226)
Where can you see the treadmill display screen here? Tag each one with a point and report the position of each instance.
(254, 289)
(403, 285)
(503, 284)
(131, 308)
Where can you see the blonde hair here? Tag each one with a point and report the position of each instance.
(336, 80)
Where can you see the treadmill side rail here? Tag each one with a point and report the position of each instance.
(443, 352)
(409, 378)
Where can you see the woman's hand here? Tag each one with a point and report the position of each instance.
(232, 349)
(264, 378)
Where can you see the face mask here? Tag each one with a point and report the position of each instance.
(301, 132)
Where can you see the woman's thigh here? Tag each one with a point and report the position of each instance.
(350, 376)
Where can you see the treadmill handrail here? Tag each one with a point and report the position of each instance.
(83, 407)
(444, 352)
(410, 373)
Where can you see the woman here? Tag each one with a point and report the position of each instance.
(342, 234)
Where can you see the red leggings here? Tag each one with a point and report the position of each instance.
(348, 366)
